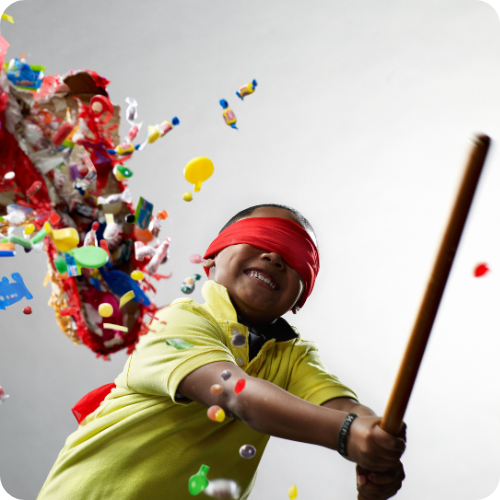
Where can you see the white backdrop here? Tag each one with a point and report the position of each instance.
(361, 121)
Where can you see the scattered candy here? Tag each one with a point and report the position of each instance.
(3, 396)
(69, 311)
(223, 488)
(198, 482)
(27, 310)
(179, 343)
(9, 175)
(481, 270)
(240, 385)
(187, 196)
(228, 114)
(226, 374)
(105, 310)
(137, 275)
(143, 213)
(292, 492)
(189, 283)
(111, 326)
(239, 340)
(64, 239)
(216, 413)
(216, 389)
(162, 215)
(198, 170)
(125, 299)
(195, 258)
(160, 256)
(247, 451)
(11, 293)
(247, 89)
(29, 229)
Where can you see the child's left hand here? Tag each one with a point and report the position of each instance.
(379, 485)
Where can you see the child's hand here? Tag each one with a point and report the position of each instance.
(372, 448)
(379, 485)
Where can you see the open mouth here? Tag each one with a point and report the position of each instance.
(263, 279)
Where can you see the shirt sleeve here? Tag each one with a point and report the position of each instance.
(157, 368)
(311, 381)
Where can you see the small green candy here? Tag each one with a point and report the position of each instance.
(178, 343)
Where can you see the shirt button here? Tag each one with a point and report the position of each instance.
(240, 361)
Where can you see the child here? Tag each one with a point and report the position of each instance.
(151, 433)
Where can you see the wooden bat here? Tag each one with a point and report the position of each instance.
(401, 391)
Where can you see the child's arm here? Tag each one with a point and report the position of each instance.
(269, 409)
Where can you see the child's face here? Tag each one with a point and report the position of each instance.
(238, 268)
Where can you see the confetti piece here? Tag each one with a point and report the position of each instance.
(292, 492)
(111, 326)
(216, 389)
(481, 270)
(105, 310)
(216, 413)
(240, 385)
(125, 299)
(6, 17)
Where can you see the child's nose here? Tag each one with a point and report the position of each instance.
(275, 259)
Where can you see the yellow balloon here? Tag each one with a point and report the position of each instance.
(105, 310)
(198, 170)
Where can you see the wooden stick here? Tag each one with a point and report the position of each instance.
(398, 401)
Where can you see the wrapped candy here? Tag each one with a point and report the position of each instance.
(160, 256)
(227, 114)
(189, 283)
(247, 89)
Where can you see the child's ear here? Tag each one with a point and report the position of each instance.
(208, 263)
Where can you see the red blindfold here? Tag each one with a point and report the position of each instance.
(274, 234)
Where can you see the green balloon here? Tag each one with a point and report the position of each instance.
(199, 481)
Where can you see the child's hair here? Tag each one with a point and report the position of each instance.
(244, 213)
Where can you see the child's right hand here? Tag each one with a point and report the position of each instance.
(371, 447)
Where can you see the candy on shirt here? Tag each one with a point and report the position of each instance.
(227, 114)
(247, 451)
(195, 258)
(216, 413)
(292, 492)
(226, 374)
(179, 343)
(247, 89)
(105, 310)
(240, 385)
(198, 170)
(198, 482)
(216, 389)
(3, 396)
(481, 270)
(223, 488)
(238, 340)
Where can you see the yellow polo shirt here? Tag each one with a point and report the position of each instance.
(144, 443)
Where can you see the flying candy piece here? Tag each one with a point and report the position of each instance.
(216, 389)
(68, 311)
(6, 17)
(226, 374)
(7, 250)
(24, 75)
(162, 215)
(14, 238)
(137, 275)
(247, 451)
(27, 310)
(132, 133)
(115, 327)
(105, 310)
(91, 257)
(125, 196)
(227, 114)
(222, 488)
(239, 340)
(216, 413)
(61, 264)
(481, 270)
(247, 89)
(292, 492)
(10, 293)
(188, 284)
(131, 111)
(198, 170)
(141, 250)
(3, 396)
(143, 213)
(35, 187)
(178, 343)
(121, 173)
(125, 299)
(29, 229)
(187, 196)
(198, 482)
(64, 239)
(90, 237)
(161, 255)
(157, 131)
(195, 258)
(240, 385)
